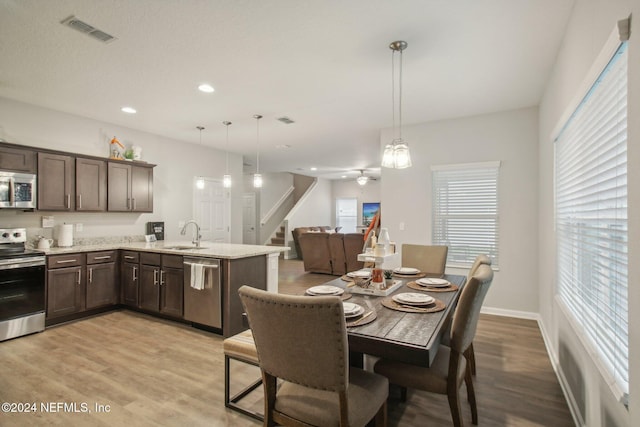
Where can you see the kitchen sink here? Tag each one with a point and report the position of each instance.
(183, 248)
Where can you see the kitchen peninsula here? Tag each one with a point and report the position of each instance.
(149, 277)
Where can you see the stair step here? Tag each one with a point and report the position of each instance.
(277, 241)
(280, 234)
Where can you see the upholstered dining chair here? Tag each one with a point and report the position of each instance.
(430, 260)
(302, 341)
(449, 368)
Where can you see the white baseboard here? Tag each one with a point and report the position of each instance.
(511, 313)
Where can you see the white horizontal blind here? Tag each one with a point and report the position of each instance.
(465, 211)
(591, 218)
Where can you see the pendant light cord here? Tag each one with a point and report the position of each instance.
(257, 117)
(400, 98)
(393, 93)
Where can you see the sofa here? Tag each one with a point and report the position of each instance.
(296, 232)
(331, 253)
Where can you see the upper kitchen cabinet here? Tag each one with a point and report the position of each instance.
(56, 182)
(17, 160)
(91, 185)
(130, 187)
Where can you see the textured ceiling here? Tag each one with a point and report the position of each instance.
(325, 64)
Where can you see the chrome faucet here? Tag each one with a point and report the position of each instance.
(198, 235)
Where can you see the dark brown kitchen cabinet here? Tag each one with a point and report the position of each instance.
(65, 285)
(56, 182)
(130, 188)
(101, 279)
(129, 278)
(91, 185)
(161, 283)
(17, 159)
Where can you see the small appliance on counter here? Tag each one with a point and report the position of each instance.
(157, 229)
(65, 235)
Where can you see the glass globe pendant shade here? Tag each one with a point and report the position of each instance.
(387, 156)
(257, 180)
(362, 180)
(401, 155)
(226, 181)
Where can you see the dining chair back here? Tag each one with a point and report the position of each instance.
(303, 341)
(430, 260)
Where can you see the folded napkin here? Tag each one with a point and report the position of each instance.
(197, 276)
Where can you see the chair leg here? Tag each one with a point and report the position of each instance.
(454, 405)
(470, 354)
(471, 396)
(381, 416)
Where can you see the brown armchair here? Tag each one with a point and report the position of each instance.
(302, 341)
(317, 256)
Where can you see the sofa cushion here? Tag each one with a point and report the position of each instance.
(336, 250)
(317, 256)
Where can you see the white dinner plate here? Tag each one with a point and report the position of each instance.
(359, 273)
(352, 310)
(406, 270)
(433, 282)
(325, 290)
(413, 298)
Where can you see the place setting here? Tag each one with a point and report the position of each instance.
(413, 302)
(356, 315)
(408, 272)
(327, 290)
(432, 284)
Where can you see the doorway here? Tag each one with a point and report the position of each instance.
(347, 214)
(211, 208)
(249, 218)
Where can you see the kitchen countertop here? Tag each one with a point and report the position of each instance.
(208, 249)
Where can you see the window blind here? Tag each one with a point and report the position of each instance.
(591, 219)
(465, 211)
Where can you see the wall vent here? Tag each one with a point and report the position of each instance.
(286, 120)
(83, 27)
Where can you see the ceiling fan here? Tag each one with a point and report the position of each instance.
(362, 179)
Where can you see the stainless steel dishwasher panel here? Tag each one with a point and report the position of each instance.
(203, 306)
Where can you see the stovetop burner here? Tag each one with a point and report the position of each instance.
(12, 244)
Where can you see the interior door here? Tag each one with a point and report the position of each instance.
(212, 211)
(249, 218)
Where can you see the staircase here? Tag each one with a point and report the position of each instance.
(278, 239)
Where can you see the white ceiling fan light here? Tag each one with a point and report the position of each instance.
(362, 179)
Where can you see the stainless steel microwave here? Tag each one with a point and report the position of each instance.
(17, 190)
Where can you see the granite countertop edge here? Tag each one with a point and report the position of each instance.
(208, 250)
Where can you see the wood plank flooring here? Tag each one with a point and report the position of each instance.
(154, 372)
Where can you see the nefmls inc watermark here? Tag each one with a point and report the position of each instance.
(54, 407)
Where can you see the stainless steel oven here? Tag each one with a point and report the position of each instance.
(17, 190)
(22, 286)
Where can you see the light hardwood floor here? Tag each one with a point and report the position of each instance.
(154, 372)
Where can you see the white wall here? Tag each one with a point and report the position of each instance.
(177, 164)
(510, 137)
(350, 189)
(590, 25)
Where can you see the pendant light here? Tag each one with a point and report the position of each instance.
(226, 179)
(200, 179)
(396, 154)
(257, 178)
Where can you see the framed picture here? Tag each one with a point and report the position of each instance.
(368, 212)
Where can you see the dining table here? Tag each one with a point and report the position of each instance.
(409, 337)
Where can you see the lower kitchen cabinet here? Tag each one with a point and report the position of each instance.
(130, 270)
(161, 283)
(65, 291)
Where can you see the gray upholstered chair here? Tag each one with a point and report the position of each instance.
(430, 260)
(449, 368)
(303, 342)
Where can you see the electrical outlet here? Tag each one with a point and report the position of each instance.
(79, 227)
(401, 226)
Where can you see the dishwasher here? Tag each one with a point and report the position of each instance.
(203, 301)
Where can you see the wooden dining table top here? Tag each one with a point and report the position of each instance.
(406, 337)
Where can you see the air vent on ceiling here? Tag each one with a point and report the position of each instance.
(286, 120)
(83, 27)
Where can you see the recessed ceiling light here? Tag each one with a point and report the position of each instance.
(207, 88)
(314, 169)
(129, 110)
(343, 176)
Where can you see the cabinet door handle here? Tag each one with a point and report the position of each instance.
(68, 201)
(79, 276)
(155, 277)
(65, 261)
(103, 257)
(161, 277)
(90, 275)
(128, 257)
(134, 276)
(79, 201)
